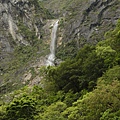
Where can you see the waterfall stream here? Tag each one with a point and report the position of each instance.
(51, 57)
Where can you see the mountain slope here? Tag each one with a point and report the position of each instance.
(21, 33)
(25, 27)
(84, 84)
(86, 22)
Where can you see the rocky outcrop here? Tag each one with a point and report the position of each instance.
(13, 12)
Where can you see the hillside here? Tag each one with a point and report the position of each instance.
(59, 59)
(21, 39)
(83, 21)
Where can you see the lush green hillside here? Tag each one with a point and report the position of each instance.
(84, 84)
(86, 87)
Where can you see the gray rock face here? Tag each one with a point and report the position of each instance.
(12, 12)
(17, 18)
(90, 20)
(13, 15)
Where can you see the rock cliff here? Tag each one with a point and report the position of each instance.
(92, 19)
(14, 12)
(87, 21)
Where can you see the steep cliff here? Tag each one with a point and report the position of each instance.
(14, 12)
(86, 22)
(91, 20)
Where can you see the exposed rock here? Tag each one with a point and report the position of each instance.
(27, 77)
(17, 19)
(86, 22)
(47, 28)
(92, 20)
(12, 12)
(35, 81)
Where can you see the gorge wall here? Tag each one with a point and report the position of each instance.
(86, 22)
(92, 19)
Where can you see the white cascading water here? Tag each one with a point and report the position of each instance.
(51, 57)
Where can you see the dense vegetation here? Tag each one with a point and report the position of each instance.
(86, 87)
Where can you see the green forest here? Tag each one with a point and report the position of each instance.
(86, 87)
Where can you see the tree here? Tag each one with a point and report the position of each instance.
(111, 74)
(97, 104)
(53, 112)
(107, 54)
(2, 112)
(21, 108)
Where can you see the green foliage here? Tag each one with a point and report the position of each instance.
(41, 11)
(96, 103)
(60, 75)
(90, 63)
(53, 112)
(109, 115)
(107, 53)
(28, 34)
(111, 74)
(81, 72)
(70, 97)
(70, 91)
(68, 51)
(21, 58)
(113, 39)
(21, 108)
(2, 112)
(59, 6)
(25, 54)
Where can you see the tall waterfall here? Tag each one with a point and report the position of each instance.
(51, 57)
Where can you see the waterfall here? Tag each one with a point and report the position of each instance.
(51, 57)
